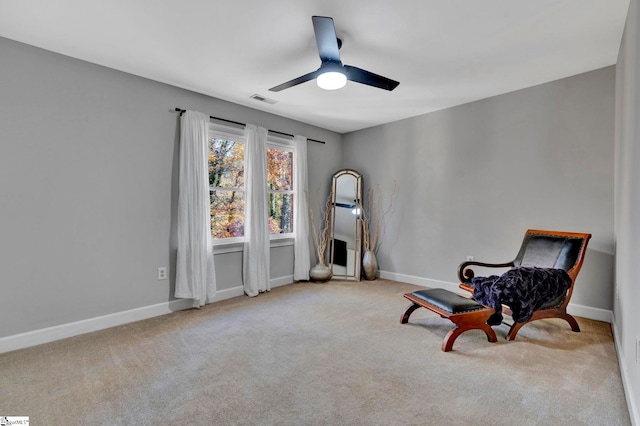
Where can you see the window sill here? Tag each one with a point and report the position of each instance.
(238, 246)
(281, 242)
(232, 247)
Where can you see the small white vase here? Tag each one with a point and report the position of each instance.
(369, 265)
(320, 273)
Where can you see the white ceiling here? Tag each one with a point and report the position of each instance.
(443, 52)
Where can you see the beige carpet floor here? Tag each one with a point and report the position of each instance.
(317, 354)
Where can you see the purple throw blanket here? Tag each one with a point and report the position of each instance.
(523, 289)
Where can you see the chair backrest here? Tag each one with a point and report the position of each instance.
(553, 249)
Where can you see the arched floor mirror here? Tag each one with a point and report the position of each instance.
(345, 238)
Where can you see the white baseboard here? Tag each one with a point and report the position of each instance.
(590, 312)
(46, 335)
(597, 314)
(277, 282)
(632, 401)
(425, 282)
(50, 334)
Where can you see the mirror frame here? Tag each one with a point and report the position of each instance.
(357, 232)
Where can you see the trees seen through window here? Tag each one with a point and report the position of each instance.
(226, 187)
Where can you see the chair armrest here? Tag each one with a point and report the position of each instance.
(465, 275)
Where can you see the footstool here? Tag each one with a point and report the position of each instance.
(466, 314)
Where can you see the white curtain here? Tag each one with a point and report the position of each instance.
(256, 230)
(195, 273)
(302, 261)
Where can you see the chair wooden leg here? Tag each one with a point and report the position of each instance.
(514, 330)
(475, 321)
(572, 322)
(405, 317)
(547, 313)
(452, 335)
(491, 335)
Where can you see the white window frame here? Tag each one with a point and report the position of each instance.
(274, 142)
(283, 144)
(235, 134)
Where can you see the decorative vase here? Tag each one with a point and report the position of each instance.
(320, 273)
(369, 265)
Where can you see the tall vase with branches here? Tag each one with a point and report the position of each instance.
(373, 218)
(321, 272)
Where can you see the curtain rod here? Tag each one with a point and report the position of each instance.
(180, 110)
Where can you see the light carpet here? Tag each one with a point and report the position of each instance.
(317, 354)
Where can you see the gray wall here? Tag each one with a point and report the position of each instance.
(473, 178)
(88, 187)
(627, 205)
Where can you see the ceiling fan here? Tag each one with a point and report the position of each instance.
(332, 74)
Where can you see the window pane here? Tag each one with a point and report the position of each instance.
(227, 214)
(226, 163)
(280, 213)
(279, 169)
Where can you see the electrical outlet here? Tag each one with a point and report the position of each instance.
(470, 258)
(162, 273)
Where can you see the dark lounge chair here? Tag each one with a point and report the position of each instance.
(540, 249)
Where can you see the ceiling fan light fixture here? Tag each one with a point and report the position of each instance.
(332, 74)
(331, 80)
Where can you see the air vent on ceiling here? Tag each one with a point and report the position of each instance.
(262, 99)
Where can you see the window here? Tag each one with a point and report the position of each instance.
(280, 189)
(226, 186)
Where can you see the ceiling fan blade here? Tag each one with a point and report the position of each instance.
(326, 38)
(366, 77)
(296, 81)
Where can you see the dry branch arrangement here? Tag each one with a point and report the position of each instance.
(373, 217)
(321, 236)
